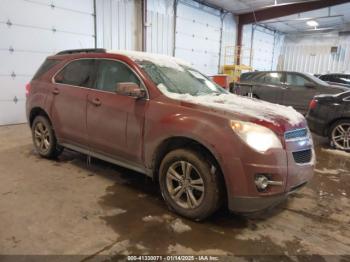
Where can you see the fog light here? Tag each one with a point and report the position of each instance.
(261, 182)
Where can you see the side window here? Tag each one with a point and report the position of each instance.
(271, 78)
(296, 80)
(77, 73)
(112, 72)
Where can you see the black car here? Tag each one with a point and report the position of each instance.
(329, 116)
(286, 88)
(343, 79)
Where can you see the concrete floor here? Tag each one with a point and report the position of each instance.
(69, 207)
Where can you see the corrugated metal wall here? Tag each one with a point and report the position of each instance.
(29, 32)
(119, 24)
(313, 54)
(160, 26)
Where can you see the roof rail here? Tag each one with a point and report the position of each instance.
(87, 50)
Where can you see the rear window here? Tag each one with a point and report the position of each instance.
(77, 73)
(46, 66)
(246, 76)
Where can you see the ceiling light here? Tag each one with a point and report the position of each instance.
(312, 23)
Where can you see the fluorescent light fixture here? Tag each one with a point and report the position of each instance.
(312, 23)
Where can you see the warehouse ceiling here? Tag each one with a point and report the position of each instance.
(327, 19)
(335, 18)
(245, 6)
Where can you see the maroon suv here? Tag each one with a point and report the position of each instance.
(158, 116)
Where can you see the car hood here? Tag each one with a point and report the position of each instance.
(277, 117)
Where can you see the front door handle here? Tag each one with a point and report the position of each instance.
(96, 102)
(55, 91)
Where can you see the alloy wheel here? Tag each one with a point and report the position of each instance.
(42, 137)
(185, 185)
(341, 136)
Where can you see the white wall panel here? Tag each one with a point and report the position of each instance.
(30, 31)
(197, 38)
(160, 26)
(119, 24)
(313, 54)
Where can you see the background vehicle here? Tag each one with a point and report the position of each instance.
(343, 79)
(285, 88)
(329, 116)
(160, 117)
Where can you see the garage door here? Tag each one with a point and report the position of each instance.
(197, 39)
(30, 31)
(263, 47)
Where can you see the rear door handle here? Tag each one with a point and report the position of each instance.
(55, 91)
(96, 102)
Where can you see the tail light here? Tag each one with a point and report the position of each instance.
(313, 104)
(28, 87)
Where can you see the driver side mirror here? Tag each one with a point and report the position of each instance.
(310, 85)
(130, 89)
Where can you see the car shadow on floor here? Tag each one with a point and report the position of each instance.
(134, 185)
(133, 207)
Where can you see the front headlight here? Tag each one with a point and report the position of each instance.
(256, 136)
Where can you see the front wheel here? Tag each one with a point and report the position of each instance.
(189, 184)
(340, 135)
(44, 138)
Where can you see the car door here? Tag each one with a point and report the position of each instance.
(268, 86)
(68, 107)
(299, 91)
(115, 122)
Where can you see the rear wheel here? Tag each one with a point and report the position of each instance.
(340, 135)
(189, 184)
(44, 138)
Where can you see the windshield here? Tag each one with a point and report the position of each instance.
(181, 80)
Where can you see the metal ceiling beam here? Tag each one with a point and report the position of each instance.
(303, 19)
(280, 11)
(285, 10)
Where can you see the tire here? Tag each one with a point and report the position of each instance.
(339, 135)
(200, 195)
(44, 138)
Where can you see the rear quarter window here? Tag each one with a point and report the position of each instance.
(45, 67)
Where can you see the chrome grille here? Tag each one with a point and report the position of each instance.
(297, 133)
(302, 157)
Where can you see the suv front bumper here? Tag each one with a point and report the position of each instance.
(293, 176)
(259, 203)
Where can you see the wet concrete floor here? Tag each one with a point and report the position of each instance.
(70, 207)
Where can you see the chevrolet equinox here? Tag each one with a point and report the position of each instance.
(159, 116)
